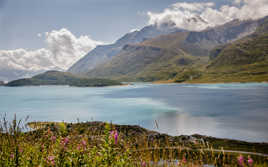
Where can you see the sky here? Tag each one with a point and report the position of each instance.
(102, 20)
(54, 34)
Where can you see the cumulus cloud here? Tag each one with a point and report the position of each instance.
(199, 16)
(31, 60)
(66, 49)
(62, 51)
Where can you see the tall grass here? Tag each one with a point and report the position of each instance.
(103, 145)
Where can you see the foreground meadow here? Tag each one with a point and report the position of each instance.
(94, 144)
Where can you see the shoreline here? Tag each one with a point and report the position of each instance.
(172, 82)
(135, 131)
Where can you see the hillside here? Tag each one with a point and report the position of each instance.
(241, 61)
(62, 78)
(144, 63)
(104, 53)
(167, 56)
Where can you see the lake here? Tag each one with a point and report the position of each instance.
(237, 111)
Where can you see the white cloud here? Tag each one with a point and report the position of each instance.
(66, 49)
(192, 6)
(63, 50)
(134, 30)
(199, 16)
(21, 59)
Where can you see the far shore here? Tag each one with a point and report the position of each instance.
(193, 82)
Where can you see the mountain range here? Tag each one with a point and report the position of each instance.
(104, 53)
(177, 55)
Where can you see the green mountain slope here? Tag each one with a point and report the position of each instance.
(171, 56)
(244, 60)
(62, 78)
(246, 51)
(144, 63)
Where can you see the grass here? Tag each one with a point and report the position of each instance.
(103, 144)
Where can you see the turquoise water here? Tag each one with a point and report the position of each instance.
(238, 111)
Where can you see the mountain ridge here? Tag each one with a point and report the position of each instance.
(103, 53)
(166, 56)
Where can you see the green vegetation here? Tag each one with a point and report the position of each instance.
(104, 145)
(195, 57)
(245, 60)
(188, 75)
(152, 60)
(62, 78)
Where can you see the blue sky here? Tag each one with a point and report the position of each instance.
(102, 20)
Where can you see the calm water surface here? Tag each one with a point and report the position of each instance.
(238, 111)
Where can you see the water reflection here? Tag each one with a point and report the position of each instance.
(181, 123)
(178, 123)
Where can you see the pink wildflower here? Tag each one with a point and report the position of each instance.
(53, 138)
(78, 147)
(83, 142)
(51, 160)
(240, 160)
(12, 155)
(184, 160)
(65, 141)
(250, 161)
(143, 164)
(114, 135)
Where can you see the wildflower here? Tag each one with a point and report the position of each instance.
(114, 135)
(51, 160)
(143, 163)
(83, 142)
(250, 161)
(184, 160)
(240, 160)
(78, 147)
(53, 138)
(12, 155)
(65, 141)
(20, 150)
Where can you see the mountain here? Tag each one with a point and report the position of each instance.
(104, 53)
(144, 63)
(62, 78)
(167, 56)
(2, 83)
(242, 60)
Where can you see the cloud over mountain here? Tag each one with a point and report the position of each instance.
(199, 16)
(62, 50)
(66, 49)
